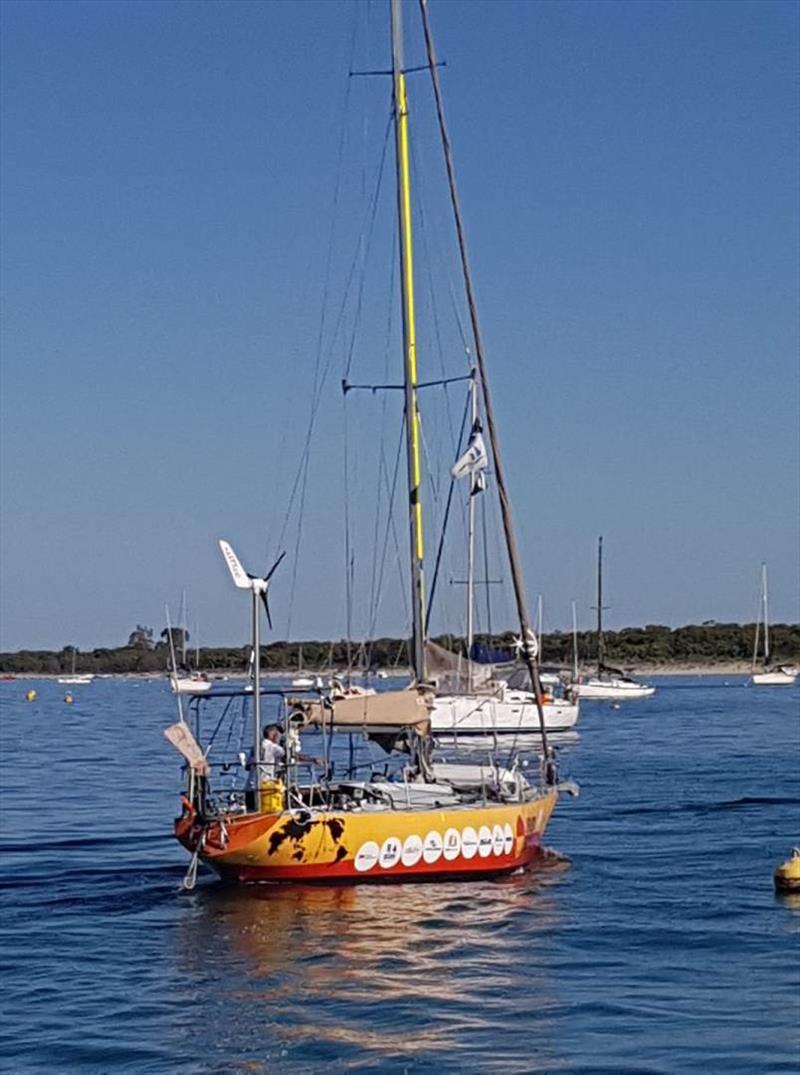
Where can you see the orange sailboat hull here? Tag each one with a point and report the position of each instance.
(391, 845)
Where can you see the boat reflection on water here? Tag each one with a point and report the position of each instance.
(403, 972)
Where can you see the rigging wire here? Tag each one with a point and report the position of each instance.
(450, 492)
(422, 231)
(390, 530)
(364, 250)
(382, 458)
(301, 478)
(325, 287)
(550, 770)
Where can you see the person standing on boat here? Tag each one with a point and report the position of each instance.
(273, 754)
(270, 772)
(273, 759)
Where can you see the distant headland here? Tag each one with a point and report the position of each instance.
(709, 647)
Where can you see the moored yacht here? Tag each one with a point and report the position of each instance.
(608, 683)
(472, 700)
(767, 674)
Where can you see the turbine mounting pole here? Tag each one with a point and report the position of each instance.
(256, 689)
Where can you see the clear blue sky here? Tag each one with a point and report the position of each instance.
(629, 177)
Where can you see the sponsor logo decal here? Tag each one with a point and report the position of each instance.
(432, 846)
(498, 840)
(484, 841)
(452, 844)
(366, 856)
(508, 839)
(412, 850)
(469, 842)
(390, 853)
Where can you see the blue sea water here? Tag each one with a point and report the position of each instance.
(651, 940)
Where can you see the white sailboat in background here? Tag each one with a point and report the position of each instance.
(193, 683)
(609, 683)
(780, 676)
(184, 680)
(75, 679)
(302, 680)
(470, 698)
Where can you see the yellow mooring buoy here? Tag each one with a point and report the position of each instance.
(68, 698)
(30, 695)
(787, 875)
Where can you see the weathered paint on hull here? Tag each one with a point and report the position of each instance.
(386, 846)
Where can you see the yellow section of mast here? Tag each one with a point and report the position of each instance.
(408, 301)
(413, 450)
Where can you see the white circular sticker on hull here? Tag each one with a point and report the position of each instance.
(484, 841)
(452, 844)
(498, 840)
(432, 846)
(366, 856)
(412, 850)
(469, 842)
(390, 853)
(508, 839)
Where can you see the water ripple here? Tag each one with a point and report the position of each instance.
(648, 940)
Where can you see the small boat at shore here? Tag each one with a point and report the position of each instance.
(608, 683)
(613, 685)
(76, 679)
(190, 683)
(769, 675)
(302, 680)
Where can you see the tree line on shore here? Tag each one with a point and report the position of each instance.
(654, 644)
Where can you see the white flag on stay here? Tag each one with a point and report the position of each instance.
(474, 459)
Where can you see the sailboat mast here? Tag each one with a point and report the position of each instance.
(413, 453)
(505, 506)
(184, 622)
(473, 391)
(574, 643)
(600, 642)
(766, 612)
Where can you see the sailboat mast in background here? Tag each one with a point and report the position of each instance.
(600, 642)
(768, 677)
(608, 683)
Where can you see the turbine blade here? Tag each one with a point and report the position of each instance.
(271, 571)
(238, 573)
(266, 607)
